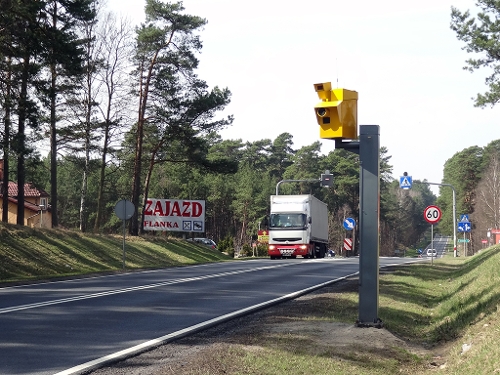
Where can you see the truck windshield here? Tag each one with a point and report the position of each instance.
(287, 221)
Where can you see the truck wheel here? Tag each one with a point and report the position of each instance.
(316, 250)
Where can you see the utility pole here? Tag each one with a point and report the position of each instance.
(368, 148)
(337, 116)
(326, 180)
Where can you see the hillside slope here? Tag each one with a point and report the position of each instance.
(33, 254)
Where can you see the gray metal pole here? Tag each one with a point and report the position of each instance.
(282, 181)
(432, 245)
(465, 246)
(124, 216)
(454, 223)
(369, 217)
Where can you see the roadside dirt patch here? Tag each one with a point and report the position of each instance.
(339, 334)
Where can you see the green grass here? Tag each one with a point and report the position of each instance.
(436, 304)
(442, 306)
(33, 254)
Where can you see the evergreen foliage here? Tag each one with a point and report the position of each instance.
(133, 120)
(481, 35)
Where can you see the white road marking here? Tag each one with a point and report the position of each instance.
(134, 350)
(6, 310)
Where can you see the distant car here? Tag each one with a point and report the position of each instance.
(204, 241)
(431, 253)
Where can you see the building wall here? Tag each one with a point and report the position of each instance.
(40, 219)
(32, 218)
(495, 234)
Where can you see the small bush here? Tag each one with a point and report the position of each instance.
(226, 245)
(247, 250)
(261, 250)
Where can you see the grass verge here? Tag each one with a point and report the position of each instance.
(34, 254)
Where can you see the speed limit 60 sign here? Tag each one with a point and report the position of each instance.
(432, 214)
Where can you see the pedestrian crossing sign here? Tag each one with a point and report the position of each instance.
(405, 182)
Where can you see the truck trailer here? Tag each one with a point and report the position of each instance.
(298, 226)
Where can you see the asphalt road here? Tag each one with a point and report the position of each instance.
(439, 244)
(68, 326)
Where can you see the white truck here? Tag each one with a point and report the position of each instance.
(298, 225)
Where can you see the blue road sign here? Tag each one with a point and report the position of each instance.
(405, 182)
(349, 223)
(464, 226)
(464, 218)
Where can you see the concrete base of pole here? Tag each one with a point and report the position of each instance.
(377, 324)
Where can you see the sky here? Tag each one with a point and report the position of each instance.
(401, 57)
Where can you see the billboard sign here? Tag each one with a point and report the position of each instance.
(263, 236)
(176, 215)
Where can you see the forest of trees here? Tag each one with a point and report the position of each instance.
(475, 174)
(126, 117)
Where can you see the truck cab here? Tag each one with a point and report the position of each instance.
(298, 226)
(288, 220)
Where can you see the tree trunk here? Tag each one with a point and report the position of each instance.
(83, 194)
(88, 133)
(243, 225)
(21, 139)
(6, 145)
(53, 139)
(146, 184)
(102, 174)
(115, 53)
(143, 100)
(136, 187)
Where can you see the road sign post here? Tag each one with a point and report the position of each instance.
(347, 244)
(337, 116)
(349, 223)
(124, 209)
(464, 226)
(432, 214)
(454, 213)
(405, 182)
(368, 149)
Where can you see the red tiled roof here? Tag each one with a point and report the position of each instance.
(29, 190)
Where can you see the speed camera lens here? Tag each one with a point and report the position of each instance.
(321, 112)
